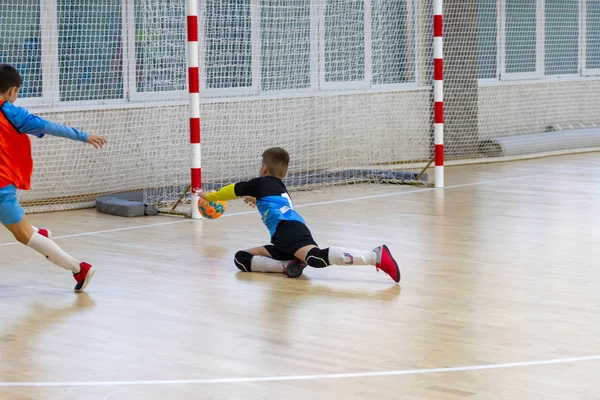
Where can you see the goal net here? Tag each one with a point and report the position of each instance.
(344, 85)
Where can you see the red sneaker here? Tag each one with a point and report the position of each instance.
(386, 263)
(84, 276)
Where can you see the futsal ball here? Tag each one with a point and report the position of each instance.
(212, 209)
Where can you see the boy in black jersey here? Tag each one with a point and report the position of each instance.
(292, 247)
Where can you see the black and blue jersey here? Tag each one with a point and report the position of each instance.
(272, 200)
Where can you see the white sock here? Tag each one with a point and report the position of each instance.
(341, 256)
(53, 253)
(267, 264)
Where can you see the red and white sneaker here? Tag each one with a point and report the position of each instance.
(84, 276)
(386, 263)
(45, 232)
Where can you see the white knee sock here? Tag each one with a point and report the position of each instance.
(267, 264)
(341, 256)
(53, 253)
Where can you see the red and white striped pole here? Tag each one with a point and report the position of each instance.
(194, 90)
(438, 91)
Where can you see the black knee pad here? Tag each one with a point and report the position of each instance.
(317, 258)
(243, 260)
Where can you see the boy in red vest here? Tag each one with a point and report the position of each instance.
(16, 166)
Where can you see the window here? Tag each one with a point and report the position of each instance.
(160, 46)
(20, 42)
(228, 44)
(521, 44)
(592, 37)
(285, 45)
(487, 36)
(90, 50)
(561, 46)
(392, 42)
(344, 41)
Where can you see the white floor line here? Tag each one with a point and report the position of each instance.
(375, 196)
(126, 228)
(304, 377)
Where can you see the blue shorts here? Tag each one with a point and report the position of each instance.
(11, 211)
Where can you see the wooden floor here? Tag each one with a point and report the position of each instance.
(499, 299)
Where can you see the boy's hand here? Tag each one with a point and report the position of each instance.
(96, 141)
(199, 192)
(251, 201)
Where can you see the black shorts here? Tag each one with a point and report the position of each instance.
(289, 237)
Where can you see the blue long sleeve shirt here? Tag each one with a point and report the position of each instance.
(24, 122)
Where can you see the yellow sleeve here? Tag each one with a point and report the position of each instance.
(226, 193)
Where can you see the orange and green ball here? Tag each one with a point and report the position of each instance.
(212, 209)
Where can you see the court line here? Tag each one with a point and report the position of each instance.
(304, 377)
(375, 196)
(127, 228)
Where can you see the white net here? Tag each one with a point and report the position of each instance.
(344, 85)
